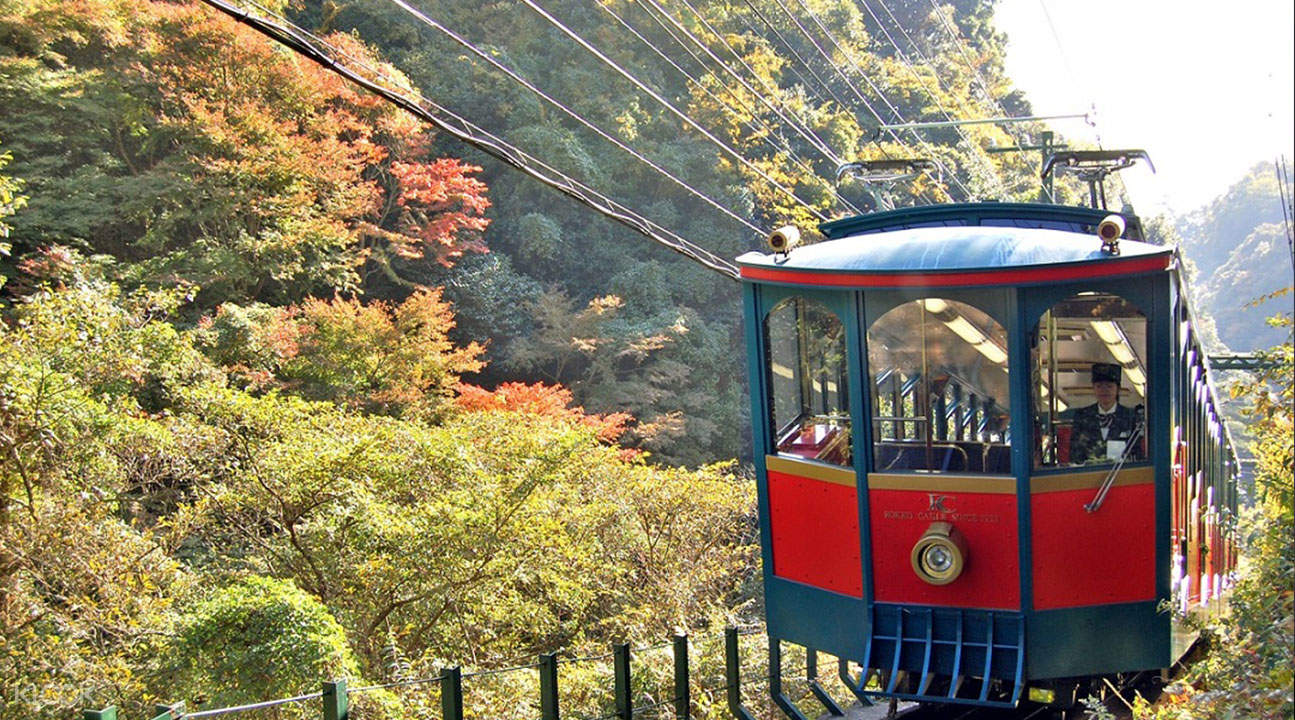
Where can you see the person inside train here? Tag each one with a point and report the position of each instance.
(1103, 430)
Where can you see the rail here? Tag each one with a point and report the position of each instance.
(335, 697)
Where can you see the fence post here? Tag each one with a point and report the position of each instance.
(336, 701)
(108, 713)
(682, 692)
(549, 686)
(167, 712)
(733, 674)
(621, 669)
(452, 694)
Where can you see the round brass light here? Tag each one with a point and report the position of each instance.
(940, 554)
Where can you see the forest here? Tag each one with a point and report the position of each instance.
(293, 387)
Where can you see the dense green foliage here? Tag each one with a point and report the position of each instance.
(669, 351)
(237, 450)
(1249, 672)
(148, 502)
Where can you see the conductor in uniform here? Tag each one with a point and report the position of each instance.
(1102, 430)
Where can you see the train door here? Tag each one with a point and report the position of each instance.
(806, 391)
(1099, 481)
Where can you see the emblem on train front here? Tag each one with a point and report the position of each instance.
(938, 502)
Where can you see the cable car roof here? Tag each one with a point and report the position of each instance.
(957, 249)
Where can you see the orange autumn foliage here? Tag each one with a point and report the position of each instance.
(540, 399)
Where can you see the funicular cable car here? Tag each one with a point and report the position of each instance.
(984, 443)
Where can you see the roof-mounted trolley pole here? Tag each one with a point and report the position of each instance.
(1093, 167)
(879, 176)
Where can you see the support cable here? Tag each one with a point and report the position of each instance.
(960, 44)
(912, 71)
(572, 114)
(849, 57)
(668, 105)
(767, 133)
(791, 49)
(774, 91)
(823, 84)
(309, 45)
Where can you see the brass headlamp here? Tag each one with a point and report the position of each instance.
(940, 554)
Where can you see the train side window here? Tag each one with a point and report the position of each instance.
(940, 389)
(808, 376)
(1090, 382)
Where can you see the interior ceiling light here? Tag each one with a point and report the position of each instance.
(965, 330)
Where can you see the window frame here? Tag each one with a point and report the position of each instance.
(999, 305)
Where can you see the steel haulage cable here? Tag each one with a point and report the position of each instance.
(573, 114)
(305, 44)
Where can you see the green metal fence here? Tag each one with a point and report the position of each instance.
(334, 697)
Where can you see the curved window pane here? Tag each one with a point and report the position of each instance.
(1090, 382)
(808, 379)
(940, 389)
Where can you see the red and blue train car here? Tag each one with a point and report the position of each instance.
(948, 496)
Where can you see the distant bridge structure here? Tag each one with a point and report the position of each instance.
(1238, 361)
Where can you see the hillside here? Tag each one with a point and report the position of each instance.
(1240, 252)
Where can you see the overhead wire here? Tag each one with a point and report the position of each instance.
(960, 44)
(849, 57)
(807, 133)
(766, 133)
(791, 49)
(670, 106)
(1070, 70)
(849, 84)
(308, 45)
(972, 147)
(1284, 196)
(773, 91)
(463, 42)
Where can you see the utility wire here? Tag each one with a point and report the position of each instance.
(849, 57)
(791, 49)
(766, 133)
(774, 91)
(308, 45)
(668, 105)
(972, 147)
(1284, 195)
(572, 114)
(841, 74)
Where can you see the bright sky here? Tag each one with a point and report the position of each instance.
(1204, 87)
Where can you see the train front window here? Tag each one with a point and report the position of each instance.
(1090, 382)
(808, 380)
(939, 389)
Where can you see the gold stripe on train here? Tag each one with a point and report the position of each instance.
(810, 469)
(944, 482)
(1091, 480)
